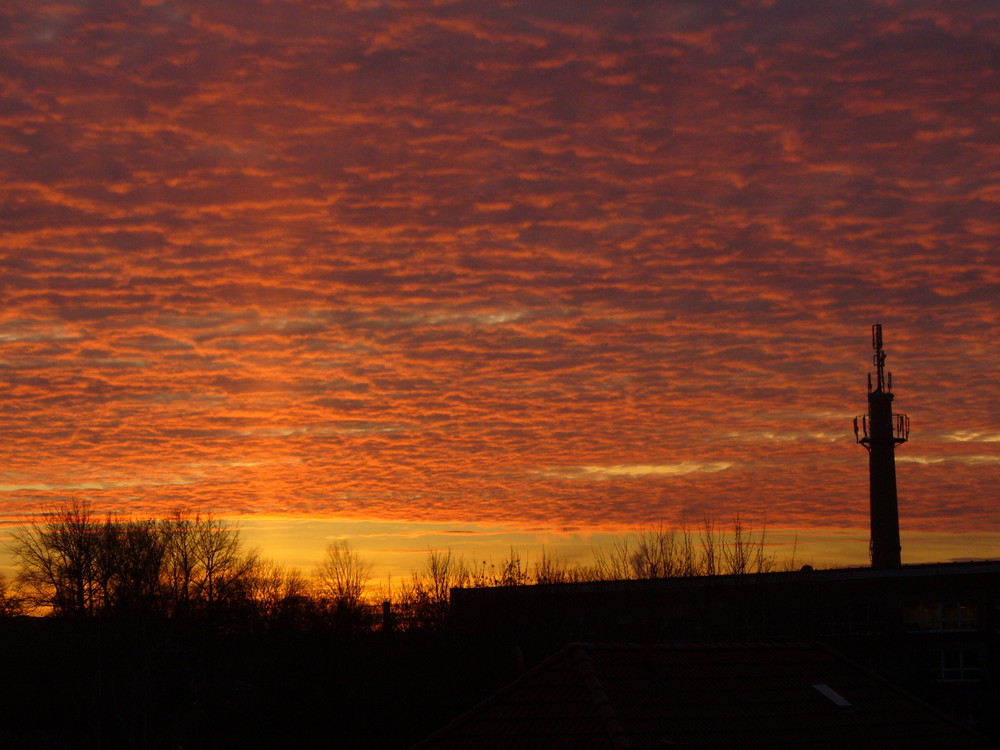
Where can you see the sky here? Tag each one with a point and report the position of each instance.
(481, 273)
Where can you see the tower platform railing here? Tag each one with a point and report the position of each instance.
(863, 428)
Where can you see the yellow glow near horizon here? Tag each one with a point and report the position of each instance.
(398, 549)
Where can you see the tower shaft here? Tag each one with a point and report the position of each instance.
(883, 501)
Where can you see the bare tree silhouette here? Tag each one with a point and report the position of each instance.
(73, 563)
(548, 569)
(425, 598)
(58, 557)
(10, 602)
(344, 575)
(273, 588)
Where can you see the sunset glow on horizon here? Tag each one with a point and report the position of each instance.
(476, 275)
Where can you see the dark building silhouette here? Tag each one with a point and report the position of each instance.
(880, 431)
(932, 629)
(702, 695)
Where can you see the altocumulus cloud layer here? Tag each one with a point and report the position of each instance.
(552, 265)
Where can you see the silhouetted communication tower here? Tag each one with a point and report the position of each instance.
(880, 431)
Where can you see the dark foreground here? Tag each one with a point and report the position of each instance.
(117, 684)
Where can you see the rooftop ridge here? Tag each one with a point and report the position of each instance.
(599, 696)
(910, 570)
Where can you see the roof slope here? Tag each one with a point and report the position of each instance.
(700, 696)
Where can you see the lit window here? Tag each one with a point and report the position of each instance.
(958, 616)
(960, 665)
(941, 616)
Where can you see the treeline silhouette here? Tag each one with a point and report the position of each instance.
(73, 562)
(170, 632)
(654, 552)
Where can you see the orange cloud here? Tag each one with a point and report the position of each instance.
(445, 263)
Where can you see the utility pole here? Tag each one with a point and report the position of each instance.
(880, 431)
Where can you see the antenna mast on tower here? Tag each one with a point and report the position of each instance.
(880, 431)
